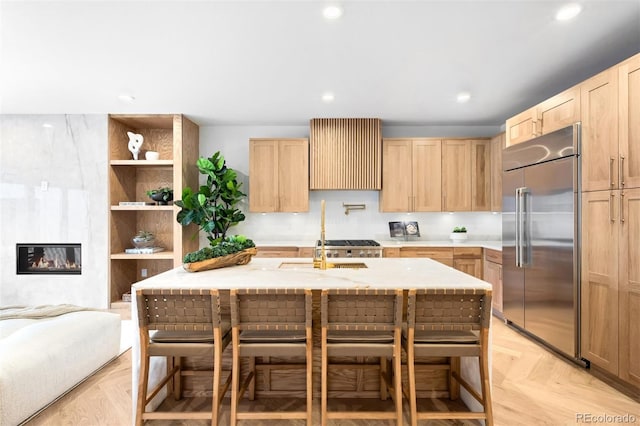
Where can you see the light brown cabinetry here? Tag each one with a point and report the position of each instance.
(278, 175)
(521, 127)
(466, 176)
(465, 259)
(600, 156)
(391, 252)
(411, 175)
(497, 145)
(629, 122)
(493, 275)
(456, 175)
(629, 287)
(611, 221)
(481, 175)
(468, 260)
(306, 251)
(440, 254)
(559, 111)
(277, 251)
(611, 281)
(176, 140)
(552, 114)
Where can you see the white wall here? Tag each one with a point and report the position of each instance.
(71, 156)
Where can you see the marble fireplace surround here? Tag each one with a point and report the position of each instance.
(53, 188)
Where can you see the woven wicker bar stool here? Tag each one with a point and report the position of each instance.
(187, 323)
(270, 323)
(363, 323)
(449, 323)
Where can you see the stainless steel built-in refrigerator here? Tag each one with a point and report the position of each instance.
(540, 238)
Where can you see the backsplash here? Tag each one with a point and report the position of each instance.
(362, 224)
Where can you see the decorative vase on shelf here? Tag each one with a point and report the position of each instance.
(143, 239)
(135, 142)
(459, 234)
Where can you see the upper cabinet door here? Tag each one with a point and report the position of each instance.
(456, 175)
(557, 112)
(278, 175)
(263, 176)
(397, 192)
(599, 97)
(560, 111)
(522, 127)
(427, 175)
(293, 175)
(629, 124)
(481, 175)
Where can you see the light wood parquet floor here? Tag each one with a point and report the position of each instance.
(531, 386)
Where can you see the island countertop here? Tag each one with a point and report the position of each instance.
(392, 273)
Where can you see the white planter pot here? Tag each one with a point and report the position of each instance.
(458, 236)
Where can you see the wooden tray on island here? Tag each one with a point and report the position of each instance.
(240, 258)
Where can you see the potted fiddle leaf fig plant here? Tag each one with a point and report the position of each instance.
(214, 208)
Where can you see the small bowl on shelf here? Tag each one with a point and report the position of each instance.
(152, 155)
(143, 240)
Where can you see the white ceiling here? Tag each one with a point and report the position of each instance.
(269, 62)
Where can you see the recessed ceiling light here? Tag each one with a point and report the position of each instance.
(126, 98)
(463, 97)
(328, 97)
(568, 11)
(332, 12)
(47, 125)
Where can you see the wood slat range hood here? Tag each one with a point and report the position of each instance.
(346, 153)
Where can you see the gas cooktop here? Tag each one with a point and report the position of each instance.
(349, 243)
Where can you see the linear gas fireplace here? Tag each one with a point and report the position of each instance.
(48, 259)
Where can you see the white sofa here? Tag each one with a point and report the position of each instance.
(42, 359)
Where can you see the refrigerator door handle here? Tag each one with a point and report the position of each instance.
(520, 225)
(517, 223)
(525, 227)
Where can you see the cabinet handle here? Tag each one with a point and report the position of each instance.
(611, 172)
(413, 206)
(611, 218)
(621, 171)
(621, 207)
(533, 128)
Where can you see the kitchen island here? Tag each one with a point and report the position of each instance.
(405, 273)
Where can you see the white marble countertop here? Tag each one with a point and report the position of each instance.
(489, 244)
(298, 273)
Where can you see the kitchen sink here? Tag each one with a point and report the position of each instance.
(330, 265)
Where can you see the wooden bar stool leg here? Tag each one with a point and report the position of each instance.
(143, 380)
(483, 360)
(235, 377)
(309, 380)
(411, 380)
(397, 376)
(454, 386)
(324, 372)
(384, 372)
